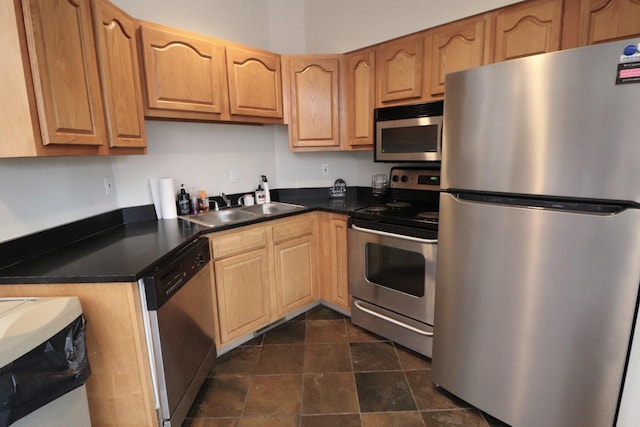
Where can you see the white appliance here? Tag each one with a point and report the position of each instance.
(539, 238)
(25, 324)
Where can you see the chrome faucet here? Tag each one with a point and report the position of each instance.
(215, 205)
(227, 202)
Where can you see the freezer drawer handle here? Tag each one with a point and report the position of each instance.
(394, 321)
(397, 236)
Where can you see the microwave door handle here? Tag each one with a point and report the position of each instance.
(396, 236)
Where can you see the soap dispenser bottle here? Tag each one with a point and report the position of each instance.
(265, 187)
(260, 195)
(184, 201)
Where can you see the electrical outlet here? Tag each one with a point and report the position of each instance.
(234, 176)
(324, 168)
(108, 185)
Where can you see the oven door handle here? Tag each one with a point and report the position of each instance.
(394, 321)
(397, 236)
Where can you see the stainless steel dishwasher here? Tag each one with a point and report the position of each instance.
(179, 324)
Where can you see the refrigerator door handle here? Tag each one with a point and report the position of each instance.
(394, 321)
(395, 236)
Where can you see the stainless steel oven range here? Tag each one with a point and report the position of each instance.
(178, 316)
(392, 260)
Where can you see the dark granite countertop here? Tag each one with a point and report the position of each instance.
(318, 198)
(120, 246)
(102, 251)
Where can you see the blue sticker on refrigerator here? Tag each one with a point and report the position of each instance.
(629, 65)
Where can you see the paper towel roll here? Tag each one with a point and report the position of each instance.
(167, 194)
(155, 196)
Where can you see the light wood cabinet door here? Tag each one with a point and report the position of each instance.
(242, 293)
(20, 135)
(334, 263)
(399, 70)
(527, 28)
(295, 273)
(255, 82)
(456, 47)
(359, 99)
(596, 21)
(64, 65)
(120, 75)
(313, 91)
(185, 74)
(119, 389)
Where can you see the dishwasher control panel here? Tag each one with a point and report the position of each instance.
(168, 277)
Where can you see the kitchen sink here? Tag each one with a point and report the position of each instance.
(240, 214)
(270, 208)
(217, 218)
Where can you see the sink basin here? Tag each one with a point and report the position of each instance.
(241, 214)
(214, 218)
(271, 208)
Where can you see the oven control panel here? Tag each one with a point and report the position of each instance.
(415, 179)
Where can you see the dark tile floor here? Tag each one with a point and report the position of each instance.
(318, 370)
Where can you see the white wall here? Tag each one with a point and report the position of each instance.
(197, 154)
(361, 23)
(36, 194)
(41, 193)
(244, 21)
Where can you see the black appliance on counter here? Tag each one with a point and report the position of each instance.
(392, 259)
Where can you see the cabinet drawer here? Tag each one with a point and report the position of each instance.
(293, 228)
(237, 242)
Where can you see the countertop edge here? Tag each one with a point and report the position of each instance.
(141, 213)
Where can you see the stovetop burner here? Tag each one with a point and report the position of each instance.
(373, 209)
(412, 199)
(428, 215)
(397, 205)
(410, 214)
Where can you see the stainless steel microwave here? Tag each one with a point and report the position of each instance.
(409, 133)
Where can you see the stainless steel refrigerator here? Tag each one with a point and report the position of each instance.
(538, 265)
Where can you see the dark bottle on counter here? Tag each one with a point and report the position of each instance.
(184, 202)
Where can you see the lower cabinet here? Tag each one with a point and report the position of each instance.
(262, 273)
(294, 261)
(334, 266)
(119, 390)
(242, 290)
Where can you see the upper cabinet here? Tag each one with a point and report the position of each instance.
(51, 72)
(64, 64)
(456, 47)
(596, 21)
(82, 75)
(312, 91)
(195, 77)
(399, 75)
(120, 76)
(527, 28)
(184, 73)
(255, 82)
(358, 71)
(330, 101)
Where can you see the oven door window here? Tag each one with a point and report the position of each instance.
(397, 269)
